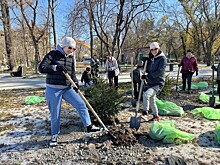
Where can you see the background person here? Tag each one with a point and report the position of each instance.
(112, 69)
(94, 63)
(137, 72)
(218, 77)
(189, 66)
(86, 78)
(156, 65)
(58, 87)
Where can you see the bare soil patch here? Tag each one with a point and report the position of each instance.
(25, 131)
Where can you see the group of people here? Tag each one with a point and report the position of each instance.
(58, 87)
(91, 72)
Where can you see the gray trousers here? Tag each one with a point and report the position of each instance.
(149, 101)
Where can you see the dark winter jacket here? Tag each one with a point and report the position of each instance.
(137, 74)
(156, 66)
(189, 65)
(86, 77)
(58, 58)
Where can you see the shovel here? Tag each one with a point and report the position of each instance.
(177, 78)
(135, 121)
(87, 103)
(133, 101)
(212, 98)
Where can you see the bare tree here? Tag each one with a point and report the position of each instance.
(205, 18)
(121, 13)
(36, 32)
(7, 33)
(53, 22)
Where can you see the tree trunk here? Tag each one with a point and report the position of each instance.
(7, 33)
(53, 23)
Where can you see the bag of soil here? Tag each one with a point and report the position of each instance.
(169, 108)
(34, 99)
(217, 133)
(166, 131)
(207, 112)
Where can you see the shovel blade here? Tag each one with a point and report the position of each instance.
(211, 101)
(135, 122)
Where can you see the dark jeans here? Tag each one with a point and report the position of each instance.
(187, 76)
(111, 76)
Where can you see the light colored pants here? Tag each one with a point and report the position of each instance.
(54, 99)
(149, 101)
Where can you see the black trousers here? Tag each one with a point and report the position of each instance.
(111, 77)
(187, 76)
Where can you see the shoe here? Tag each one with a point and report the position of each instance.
(91, 129)
(189, 92)
(217, 106)
(144, 113)
(155, 118)
(53, 141)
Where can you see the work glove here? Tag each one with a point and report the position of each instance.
(61, 68)
(76, 89)
(213, 67)
(197, 73)
(144, 77)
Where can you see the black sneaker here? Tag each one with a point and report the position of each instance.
(53, 141)
(91, 129)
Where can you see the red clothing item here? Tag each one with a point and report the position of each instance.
(189, 65)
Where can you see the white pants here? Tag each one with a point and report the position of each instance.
(149, 101)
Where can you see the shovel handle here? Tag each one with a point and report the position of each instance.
(140, 91)
(87, 103)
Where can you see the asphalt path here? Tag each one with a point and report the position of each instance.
(8, 82)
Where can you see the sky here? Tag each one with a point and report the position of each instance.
(61, 11)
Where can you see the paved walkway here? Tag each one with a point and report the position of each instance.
(8, 82)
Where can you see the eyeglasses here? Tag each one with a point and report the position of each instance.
(71, 48)
(154, 49)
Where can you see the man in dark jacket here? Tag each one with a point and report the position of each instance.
(137, 72)
(156, 64)
(58, 87)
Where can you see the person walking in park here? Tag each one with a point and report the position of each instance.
(218, 77)
(58, 87)
(94, 63)
(156, 65)
(189, 67)
(112, 69)
(137, 72)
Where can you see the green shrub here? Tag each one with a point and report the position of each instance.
(105, 100)
(169, 82)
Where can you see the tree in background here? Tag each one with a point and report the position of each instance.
(36, 31)
(7, 33)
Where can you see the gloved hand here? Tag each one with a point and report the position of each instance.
(77, 84)
(213, 67)
(76, 89)
(61, 68)
(197, 73)
(144, 77)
